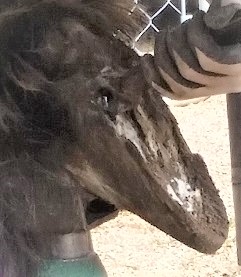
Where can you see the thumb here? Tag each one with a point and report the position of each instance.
(222, 13)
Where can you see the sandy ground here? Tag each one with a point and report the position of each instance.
(128, 246)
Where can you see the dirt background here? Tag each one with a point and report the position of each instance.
(128, 246)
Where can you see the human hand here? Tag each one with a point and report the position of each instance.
(202, 57)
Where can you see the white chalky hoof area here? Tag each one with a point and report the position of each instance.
(188, 198)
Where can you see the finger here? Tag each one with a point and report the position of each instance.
(221, 13)
(179, 92)
(211, 56)
(166, 64)
(186, 61)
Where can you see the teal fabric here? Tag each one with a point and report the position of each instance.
(75, 268)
